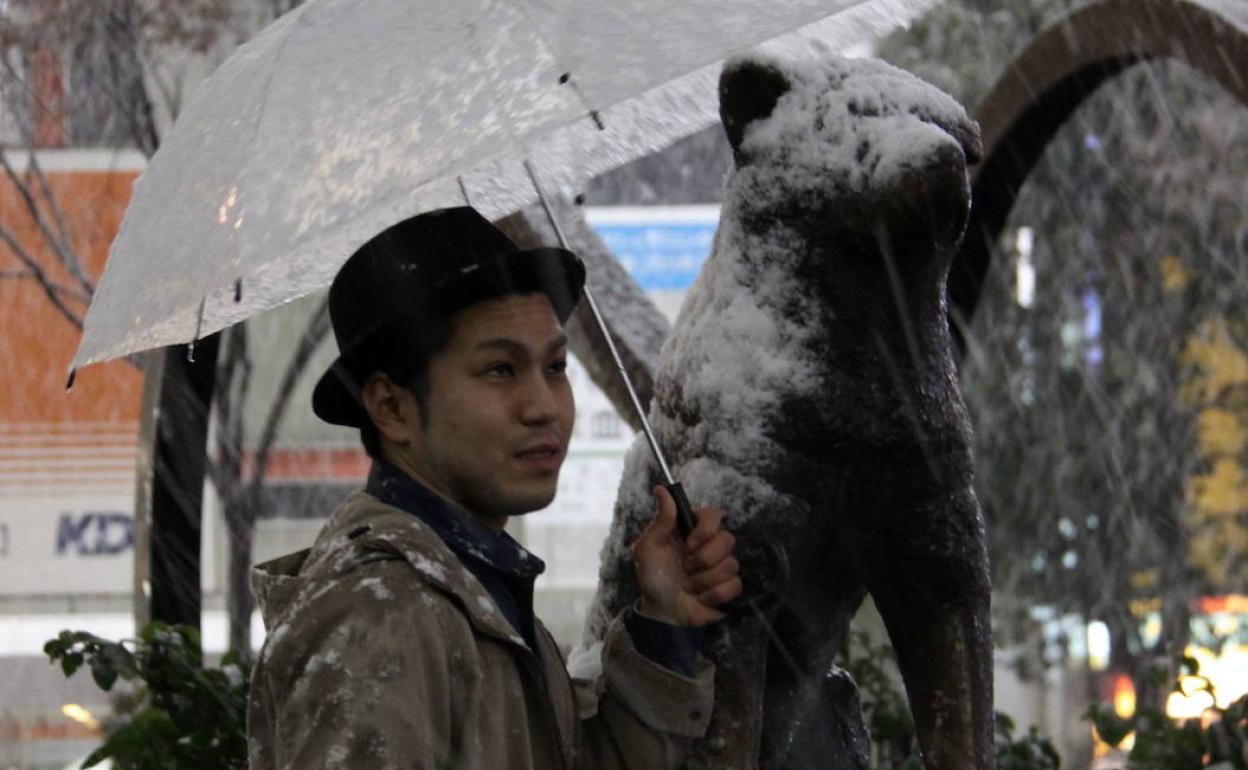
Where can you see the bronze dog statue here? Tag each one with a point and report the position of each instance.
(809, 390)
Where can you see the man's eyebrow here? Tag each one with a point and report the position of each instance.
(506, 343)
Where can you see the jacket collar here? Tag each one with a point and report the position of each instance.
(361, 530)
(459, 529)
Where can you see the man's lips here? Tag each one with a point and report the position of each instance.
(544, 456)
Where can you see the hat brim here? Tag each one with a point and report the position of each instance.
(557, 273)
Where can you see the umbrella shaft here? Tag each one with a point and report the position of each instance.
(628, 383)
(602, 326)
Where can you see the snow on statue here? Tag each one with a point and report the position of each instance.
(809, 390)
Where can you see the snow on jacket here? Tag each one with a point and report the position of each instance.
(384, 651)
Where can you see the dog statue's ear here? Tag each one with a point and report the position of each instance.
(748, 91)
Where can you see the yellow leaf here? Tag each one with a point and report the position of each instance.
(1218, 361)
(1207, 554)
(1174, 276)
(1221, 433)
(1216, 547)
(1224, 492)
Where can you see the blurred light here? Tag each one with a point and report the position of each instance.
(1098, 646)
(1124, 696)
(1192, 705)
(1150, 634)
(1231, 603)
(80, 715)
(1024, 240)
(1142, 608)
(1125, 706)
(1092, 326)
(1072, 335)
(1024, 270)
(1067, 528)
(1070, 560)
(1099, 747)
(1227, 672)
(1076, 638)
(1092, 314)
(1094, 521)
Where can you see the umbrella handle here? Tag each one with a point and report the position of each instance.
(684, 511)
(777, 560)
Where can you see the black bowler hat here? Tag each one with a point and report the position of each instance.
(418, 272)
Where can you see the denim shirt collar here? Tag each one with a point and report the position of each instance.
(468, 538)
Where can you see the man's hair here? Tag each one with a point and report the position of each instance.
(403, 354)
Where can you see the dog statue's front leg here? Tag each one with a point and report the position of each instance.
(933, 594)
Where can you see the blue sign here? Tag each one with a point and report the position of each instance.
(660, 253)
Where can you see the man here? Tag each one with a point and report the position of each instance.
(405, 637)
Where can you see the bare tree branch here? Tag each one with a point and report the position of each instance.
(280, 7)
(64, 249)
(37, 101)
(107, 79)
(244, 509)
(312, 337)
(123, 28)
(39, 275)
(67, 291)
(60, 238)
(233, 374)
(59, 247)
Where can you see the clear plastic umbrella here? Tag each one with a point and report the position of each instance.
(340, 119)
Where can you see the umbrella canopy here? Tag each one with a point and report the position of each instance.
(340, 119)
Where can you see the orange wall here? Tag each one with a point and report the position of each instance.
(36, 341)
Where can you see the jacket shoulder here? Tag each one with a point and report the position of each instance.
(360, 615)
(367, 661)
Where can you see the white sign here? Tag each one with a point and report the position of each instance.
(67, 544)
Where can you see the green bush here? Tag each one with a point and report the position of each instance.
(1028, 752)
(185, 716)
(1162, 743)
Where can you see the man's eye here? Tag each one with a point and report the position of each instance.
(559, 367)
(500, 370)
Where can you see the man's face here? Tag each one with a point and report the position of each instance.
(498, 412)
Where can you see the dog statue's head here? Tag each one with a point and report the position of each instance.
(853, 145)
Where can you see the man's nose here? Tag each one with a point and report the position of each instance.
(539, 404)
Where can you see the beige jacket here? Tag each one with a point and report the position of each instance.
(384, 651)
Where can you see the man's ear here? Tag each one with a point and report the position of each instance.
(391, 407)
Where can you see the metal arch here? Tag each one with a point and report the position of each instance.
(1061, 68)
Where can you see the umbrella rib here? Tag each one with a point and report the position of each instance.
(566, 77)
(298, 14)
(594, 115)
(199, 326)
